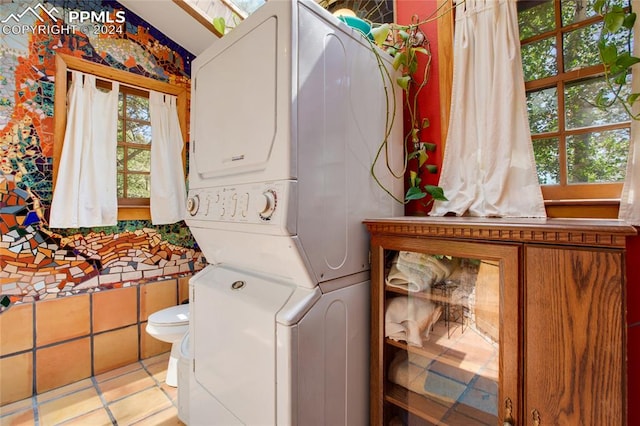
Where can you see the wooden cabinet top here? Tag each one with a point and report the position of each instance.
(580, 232)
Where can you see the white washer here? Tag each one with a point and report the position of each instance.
(185, 374)
(277, 353)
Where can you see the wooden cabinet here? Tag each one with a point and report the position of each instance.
(520, 321)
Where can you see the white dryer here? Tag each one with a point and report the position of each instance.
(288, 112)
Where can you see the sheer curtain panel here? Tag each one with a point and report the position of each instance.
(630, 198)
(488, 167)
(168, 189)
(85, 192)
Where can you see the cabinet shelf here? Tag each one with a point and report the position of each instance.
(431, 410)
(419, 295)
(429, 351)
(426, 408)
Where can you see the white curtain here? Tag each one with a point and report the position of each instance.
(168, 190)
(488, 167)
(85, 192)
(630, 198)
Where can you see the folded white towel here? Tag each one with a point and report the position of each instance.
(410, 371)
(418, 271)
(410, 319)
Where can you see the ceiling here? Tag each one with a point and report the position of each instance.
(174, 22)
(190, 22)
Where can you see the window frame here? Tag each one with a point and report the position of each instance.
(65, 63)
(578, 199)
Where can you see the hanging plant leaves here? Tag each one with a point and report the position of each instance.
(429, 146)
(617, 58)
(220, 25)
(404, 82)
(614, 19)
(609, 53)
(600, 99)
(380, 34)
(436, 192)
(432, 168)
(414, 193)
(413, 176)
(415, 136)
(621, 79)
(408, 42)
(629, 20)
(625, 60)
(399, 59)
(420, 50)
(413, 65)
(422, 157)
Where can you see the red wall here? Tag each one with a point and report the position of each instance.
(429, 98)
(633, 328)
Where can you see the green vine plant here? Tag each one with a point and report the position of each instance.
(407, 44)
(617, 21)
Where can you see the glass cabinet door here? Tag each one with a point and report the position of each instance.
(444, 336)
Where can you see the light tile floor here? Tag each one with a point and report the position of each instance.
(132, 395)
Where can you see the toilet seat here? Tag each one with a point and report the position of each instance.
(173, 316)
(170, 325)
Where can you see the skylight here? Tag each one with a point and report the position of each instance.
(247, 6)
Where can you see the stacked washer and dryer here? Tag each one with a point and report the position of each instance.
(288, 112)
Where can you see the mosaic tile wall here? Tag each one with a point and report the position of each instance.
(36, 262)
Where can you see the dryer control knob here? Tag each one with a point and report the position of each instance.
(267, 205)
(192, 205)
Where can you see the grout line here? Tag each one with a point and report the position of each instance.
(162, 389)
(67, 393)
(156, 384)
(36, 411)
(105, 405)
(35, 404)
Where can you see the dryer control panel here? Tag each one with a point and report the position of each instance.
(249, 203)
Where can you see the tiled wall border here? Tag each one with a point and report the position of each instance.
(51, 343)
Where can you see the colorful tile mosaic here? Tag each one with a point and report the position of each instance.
(36, 262)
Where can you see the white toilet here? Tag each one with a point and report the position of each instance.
(170, 325)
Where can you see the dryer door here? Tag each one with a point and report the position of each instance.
(234, 330)
(241, 103)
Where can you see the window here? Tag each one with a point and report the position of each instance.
(134, 147)
(134, 129)
(378, 11)
(580, 150)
